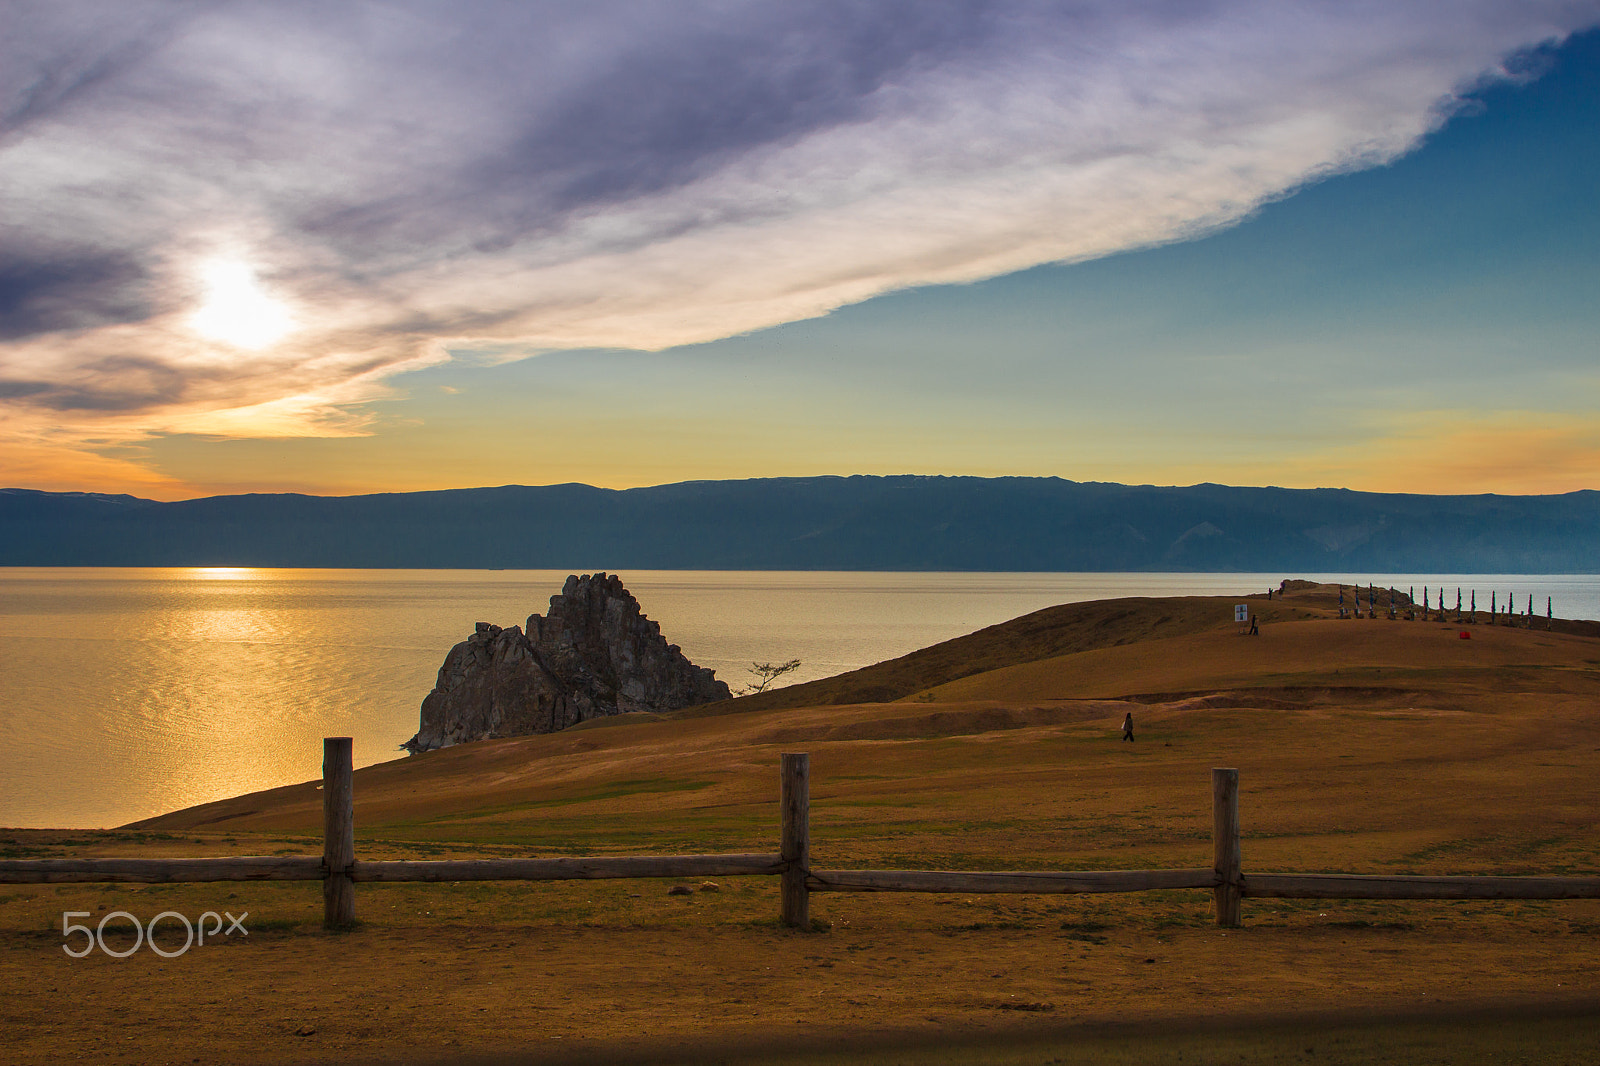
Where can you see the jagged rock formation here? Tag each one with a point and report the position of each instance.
(595, 654)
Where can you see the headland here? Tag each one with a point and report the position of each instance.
(1364, 745)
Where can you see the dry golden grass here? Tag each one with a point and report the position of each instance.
(1363, 746)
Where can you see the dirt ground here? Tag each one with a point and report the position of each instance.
(1363, 746)
(651, 977)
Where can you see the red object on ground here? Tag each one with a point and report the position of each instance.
(1465, 635)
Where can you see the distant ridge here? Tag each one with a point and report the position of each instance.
(820, 523)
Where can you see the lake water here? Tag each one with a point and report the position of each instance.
(128, 692)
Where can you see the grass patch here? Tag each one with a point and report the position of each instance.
(610, 791)
(1491, 1040)
(1362, 923)
(1088, 932)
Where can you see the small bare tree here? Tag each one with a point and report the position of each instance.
(766, 674)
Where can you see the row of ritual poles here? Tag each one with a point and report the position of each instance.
(1434, 609)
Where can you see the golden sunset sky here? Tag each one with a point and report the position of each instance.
(389, 247)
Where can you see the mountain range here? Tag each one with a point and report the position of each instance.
(820, 523)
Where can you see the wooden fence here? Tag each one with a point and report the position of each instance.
(340, 871)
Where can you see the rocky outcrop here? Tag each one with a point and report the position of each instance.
(594, 654)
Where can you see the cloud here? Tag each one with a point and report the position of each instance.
(53, 466)
(397, 178)
(68, 292)
(1504, 451)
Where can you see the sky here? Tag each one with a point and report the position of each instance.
(390, 246)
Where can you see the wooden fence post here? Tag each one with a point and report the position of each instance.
(338, 834)
(1225, 845)
(795, 799)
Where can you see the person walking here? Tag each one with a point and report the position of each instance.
(1127, 727)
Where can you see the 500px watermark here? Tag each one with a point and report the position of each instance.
(96, 937)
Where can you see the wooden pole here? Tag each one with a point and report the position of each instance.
(338, 834)
(1225, 845)
(795, 798)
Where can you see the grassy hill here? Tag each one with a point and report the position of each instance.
(1365, 746)
(987, 725)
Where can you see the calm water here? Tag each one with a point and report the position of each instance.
(126, 693)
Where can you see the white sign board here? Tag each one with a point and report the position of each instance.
(1241, 612)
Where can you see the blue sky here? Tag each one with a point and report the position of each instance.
(1372, 268)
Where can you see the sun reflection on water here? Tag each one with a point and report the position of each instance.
(217, 573)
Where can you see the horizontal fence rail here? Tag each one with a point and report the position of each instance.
(568, 869)
(161, 871)
(340, 871)
(1025, 881)
(1384, 886)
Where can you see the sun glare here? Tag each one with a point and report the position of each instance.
(237, 310)
(221, 573)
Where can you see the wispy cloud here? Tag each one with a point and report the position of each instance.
(396, 178)
(1471, 451)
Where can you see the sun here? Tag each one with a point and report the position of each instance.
(237, 310)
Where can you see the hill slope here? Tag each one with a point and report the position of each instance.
(1363, 746)
(1075, 667)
